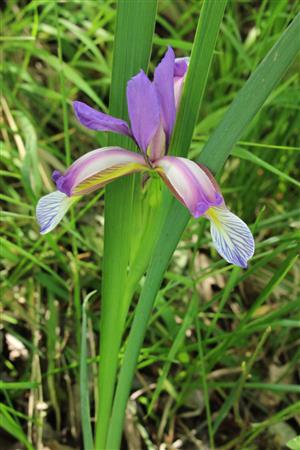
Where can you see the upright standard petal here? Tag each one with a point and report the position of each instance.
(97, 168)
(51, 209)
(96, 120)
(157, 146)
(143, 109)
(192, 185)
(164, 84)
(231, 236)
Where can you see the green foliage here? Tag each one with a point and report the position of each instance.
(219, 361)
(134, 25)
(84, 381)
(294, 444)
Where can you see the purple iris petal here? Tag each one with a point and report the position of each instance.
(180, 70)
(180, 67)
(190, 184)
(143, 109)
(164, 84)
(59, 180)
(97, 168)
(96, 120)
(56, 175)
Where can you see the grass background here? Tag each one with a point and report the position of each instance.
(243, 325)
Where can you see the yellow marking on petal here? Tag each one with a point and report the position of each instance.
(159, 170)
(213, 215)
(106, 176)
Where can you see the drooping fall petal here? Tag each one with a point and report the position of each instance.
(51, 209)
(196, 188)
(143, 109)
(190, 184)
(96, 120)
(231, 236)
(97, 168)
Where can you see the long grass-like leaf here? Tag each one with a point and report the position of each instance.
(84, 381)
(215, 153)
(132, 46)
(248, 156)
(202, 54)
(12, 427)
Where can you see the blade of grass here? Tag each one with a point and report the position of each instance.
(30, 167)
(13, 428)
(178, 340)
(84, 381)
(278, 276)
(53, 61)
(214, 154)
(232, 398)
(52, 324)
(294, 444)
(196, 79)
(248, 156)
(8, 385)
(20, 251)
(294, 388)
(74, 266)
(202, 53)
(132, 46)
(204, 384)
(246, 104)
(283, 415)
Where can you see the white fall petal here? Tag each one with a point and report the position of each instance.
(231, 236)
(51, 209)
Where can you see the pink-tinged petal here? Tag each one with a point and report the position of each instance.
(231, 236)
(190, 184)
(51, 209)
(96, 120)
(180, 70)
(143, 109)
(157, 146)
(97, 168)
(181, 66)
(164, 84)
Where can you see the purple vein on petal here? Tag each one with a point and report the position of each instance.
(231, 236)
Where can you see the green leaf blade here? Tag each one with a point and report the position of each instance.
(132, 46)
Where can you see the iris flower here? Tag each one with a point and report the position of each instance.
(152, 107)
